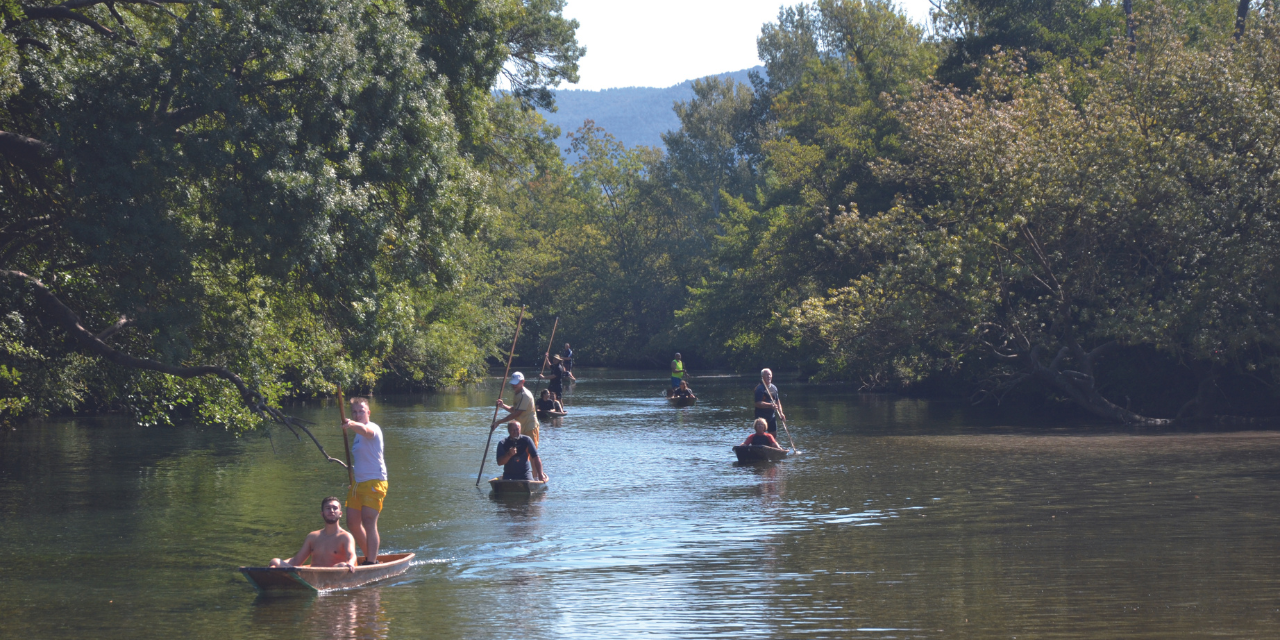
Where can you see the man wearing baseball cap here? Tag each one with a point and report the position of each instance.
(521, 408)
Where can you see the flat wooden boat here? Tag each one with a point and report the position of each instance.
(682, 402)
(517, 486)
(759, 453)
(309, 579)
(548, 416)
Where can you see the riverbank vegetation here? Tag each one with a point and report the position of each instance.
(209, 209)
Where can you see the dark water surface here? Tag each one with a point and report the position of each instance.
(900, 519)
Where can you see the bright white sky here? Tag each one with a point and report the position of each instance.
(658, 43)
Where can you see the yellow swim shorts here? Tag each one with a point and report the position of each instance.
(531, 431)
(369, 493)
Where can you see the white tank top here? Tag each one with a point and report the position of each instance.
(366, 456)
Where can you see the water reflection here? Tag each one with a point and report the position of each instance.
(903, 518)
(357, 614)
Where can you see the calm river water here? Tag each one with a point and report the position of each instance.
(900, 519)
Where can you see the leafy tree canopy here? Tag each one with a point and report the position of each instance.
(272, 193)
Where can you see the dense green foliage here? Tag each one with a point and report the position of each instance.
(307, 193)
(287, 190)
(1025, 202)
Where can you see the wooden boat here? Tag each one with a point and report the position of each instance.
(517, 486)
(548, 416)
(308, 579)
(759, 453)
(682, 402)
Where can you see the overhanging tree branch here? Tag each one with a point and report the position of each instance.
(67, 319)
(62, 12)
(22, 150)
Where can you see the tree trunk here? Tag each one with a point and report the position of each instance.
(1129, 31)
(1242, 14)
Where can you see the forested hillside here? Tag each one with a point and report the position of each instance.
(633, 115)
(208, 209)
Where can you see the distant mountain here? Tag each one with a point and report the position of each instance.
(633, 115)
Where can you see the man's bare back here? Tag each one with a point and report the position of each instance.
(331, 546)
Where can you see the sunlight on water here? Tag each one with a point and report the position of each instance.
(900, 518)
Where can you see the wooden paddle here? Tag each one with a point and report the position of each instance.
(346, 447)
(546, 357)
(501, 388)
(781, 419)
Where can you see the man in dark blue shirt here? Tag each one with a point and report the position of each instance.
(767, 404)
(568, 357)
(519, 456)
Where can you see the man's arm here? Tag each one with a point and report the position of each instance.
(303, 554)
(360, 428)
(514, 415)
(504, 457)
(537, 467)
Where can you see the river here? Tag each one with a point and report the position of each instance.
(900, 518)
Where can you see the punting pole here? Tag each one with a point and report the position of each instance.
(346, 446)
(501, 388)
(546, 357)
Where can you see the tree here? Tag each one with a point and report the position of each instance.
(714, 149)
(247, 192)
(1040, 236)
(470, 44)
(1046, 30)
(823, 120)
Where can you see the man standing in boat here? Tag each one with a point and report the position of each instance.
(331, 546)
(522, 408)
(558, 374)
(518, 456)
(767, 404)
(677, 371)
(568, 357)
(364, 502)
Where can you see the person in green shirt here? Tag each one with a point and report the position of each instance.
(677, 371)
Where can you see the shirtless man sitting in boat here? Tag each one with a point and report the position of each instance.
(331, 546)
(761, 437)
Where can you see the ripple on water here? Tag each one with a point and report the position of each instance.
(902, 518)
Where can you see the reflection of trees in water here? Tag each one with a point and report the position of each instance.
(346, 614)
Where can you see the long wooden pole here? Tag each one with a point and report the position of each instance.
(777, 403)
(546, 357)
(501, 388)
(346, 447)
